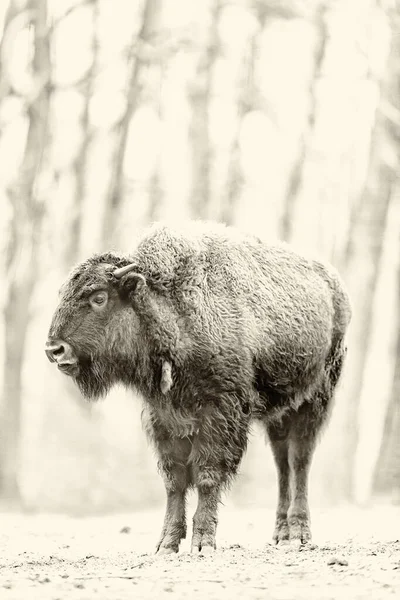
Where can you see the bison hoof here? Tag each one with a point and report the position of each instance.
(299, 531)
(281, 533)
(203, 542)
(195, 549)
(207, 550)
(163, 551)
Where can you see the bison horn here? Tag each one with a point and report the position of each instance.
(118, 273)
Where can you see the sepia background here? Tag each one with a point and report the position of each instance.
(281, 117)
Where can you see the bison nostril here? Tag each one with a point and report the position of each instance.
(58, 351)
(55, 352)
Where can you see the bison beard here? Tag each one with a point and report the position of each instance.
(215, 329)
(93, 379)
(97, 374)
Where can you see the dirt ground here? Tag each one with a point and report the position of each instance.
(355, 554)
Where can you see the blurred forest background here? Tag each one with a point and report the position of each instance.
(281, 117)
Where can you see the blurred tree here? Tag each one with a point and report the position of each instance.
(247, 100)
(288, 221)
(137, 56)
(374, 397)
(199, 91)
(81, 161)
(10, 22)
(368, 225)
(387, 472)
(233, 94)
(23, 245)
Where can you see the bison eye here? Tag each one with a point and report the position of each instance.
(98, 299)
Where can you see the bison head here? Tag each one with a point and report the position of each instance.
(94, 332)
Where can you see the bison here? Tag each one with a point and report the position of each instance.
(215, 329)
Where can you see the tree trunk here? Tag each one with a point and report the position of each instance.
(387, 472)
(12, 12)
(375, 393)
(72, 253)
(22, 257)
(295, 179)
(240, 97)
(386, 476)
(234, 180)
(115, 190)
(363, 262)
(200, 90)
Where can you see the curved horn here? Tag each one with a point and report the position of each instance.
(118, 273)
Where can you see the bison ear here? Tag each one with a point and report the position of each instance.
(134, 282)
(128, 279)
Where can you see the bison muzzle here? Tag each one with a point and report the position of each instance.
(215, 329)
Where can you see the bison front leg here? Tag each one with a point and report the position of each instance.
(174, 527)
(205, 519)
(215, 457)
(175, 473)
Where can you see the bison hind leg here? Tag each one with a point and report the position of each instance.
(293, 440)
(278, 436)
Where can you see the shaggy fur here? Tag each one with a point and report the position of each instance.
(248, 331)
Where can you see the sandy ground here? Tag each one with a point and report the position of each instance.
(355, 554)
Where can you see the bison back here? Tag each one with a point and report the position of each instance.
(234, 295)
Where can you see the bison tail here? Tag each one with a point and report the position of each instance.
(334, 362)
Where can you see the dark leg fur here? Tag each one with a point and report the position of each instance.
(303, 436)
(174, 528)
(293, 443)
(280, 447)
(216, 454)
(172, 463)
(208, 460)
(205, 519)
